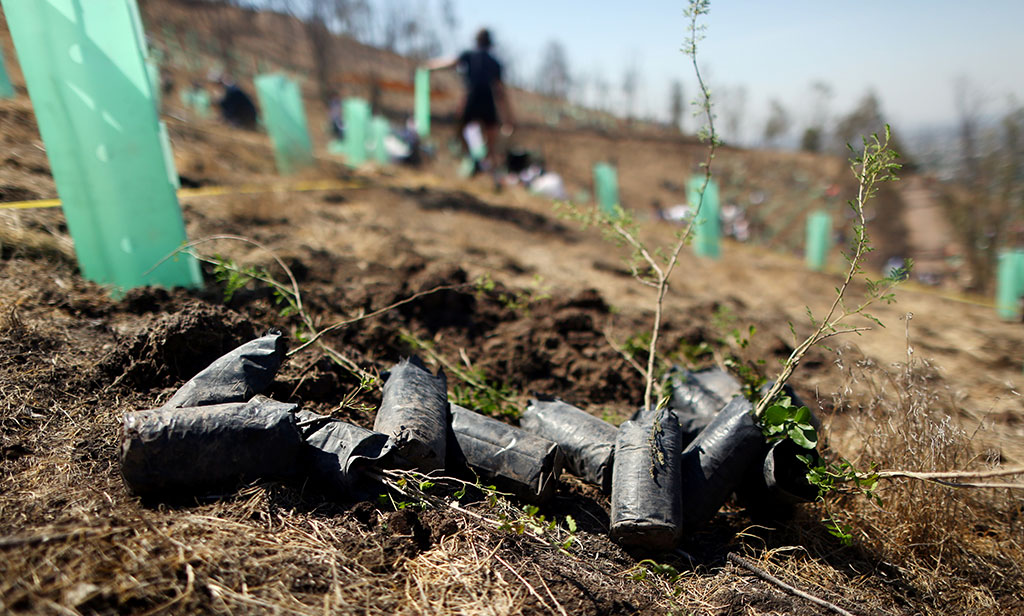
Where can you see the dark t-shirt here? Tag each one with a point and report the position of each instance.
(480, 71)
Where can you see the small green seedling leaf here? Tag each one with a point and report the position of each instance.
(805, 437)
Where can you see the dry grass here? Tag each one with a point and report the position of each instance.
(462, 575)
(34, 235)
(961, 548)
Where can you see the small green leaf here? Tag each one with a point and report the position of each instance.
(807, 439)
(570, 523)
(776, 415)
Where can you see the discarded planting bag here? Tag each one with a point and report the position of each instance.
(171, 453)
(414, 413)
(336, 451)
(698, 395)
(235, 377)
(646, 482)
(715, 462)
(587, 442)
(777, 480)
(527, 464)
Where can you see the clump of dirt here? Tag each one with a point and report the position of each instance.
(176, 346)
(561, 349)
(555, 346)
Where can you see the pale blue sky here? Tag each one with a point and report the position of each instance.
(908, 51)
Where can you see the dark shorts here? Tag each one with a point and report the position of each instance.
(480, 109)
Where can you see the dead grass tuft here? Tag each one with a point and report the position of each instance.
(34, 235)
(461, 575)
(959, 544)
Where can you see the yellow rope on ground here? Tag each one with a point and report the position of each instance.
(210, 191)
(28, 205)
(963, 298)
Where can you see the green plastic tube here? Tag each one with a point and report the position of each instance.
(85, 69)
(380, 128)
(606, 188)
(819, 234)
(1019, 255)
(1009, 284)
(285, 120)
(421, 114)
(707, 229)
(356, 114)
(6, 89)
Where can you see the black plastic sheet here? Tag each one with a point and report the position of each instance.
(777, 480)
(646, 497)
(697, 396)
(414, 413)
(337, 452)
(714, 464)
(524, 463)
(235, 377)
(587, 442)
(173, 453)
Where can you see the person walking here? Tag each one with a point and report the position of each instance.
(486, 102)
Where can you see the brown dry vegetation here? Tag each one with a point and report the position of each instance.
(73, 540)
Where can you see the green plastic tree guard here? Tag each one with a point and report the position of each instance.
(285, 120)
(707, 228)
(819, 240)
(380, 128)
(6, 89)
(606, 187)
(421, 115)
(85, 69)
(1009, 284)
(1019, 254)
(356, 115)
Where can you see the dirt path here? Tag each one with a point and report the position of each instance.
(930, 238)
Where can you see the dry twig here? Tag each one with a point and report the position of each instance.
(771, 579)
